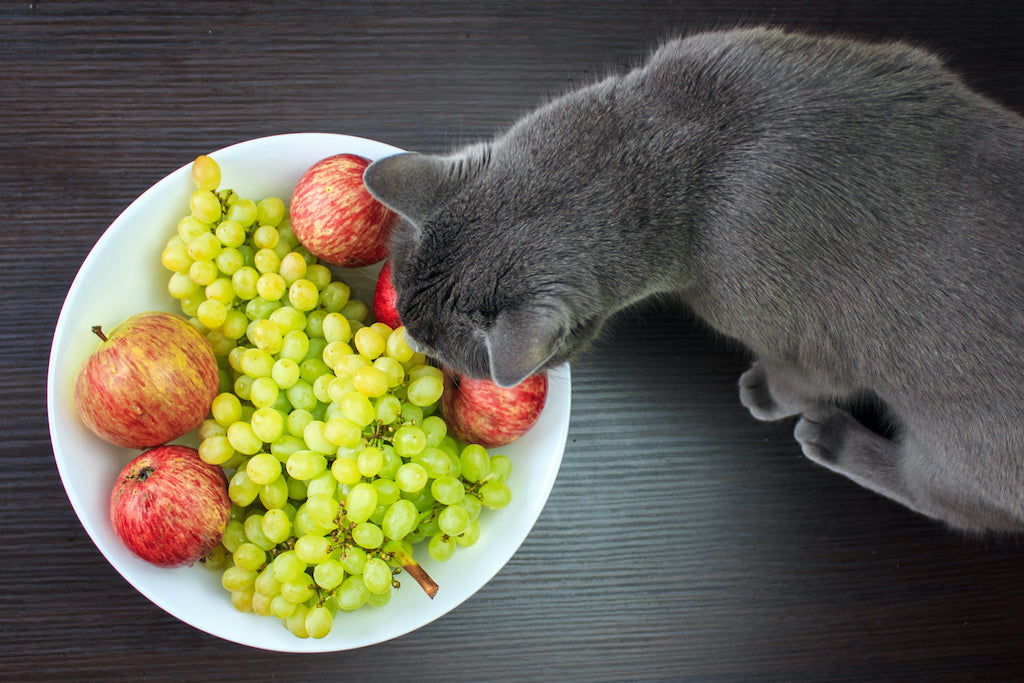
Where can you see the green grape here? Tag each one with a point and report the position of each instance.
(287, 566)
(303, 295)
(249, 557)
(205, 206)
(453, 520)
(189, 227)
(434, 461)
(261, 604)
(313, 549)
(388, 409)
(241, 490)
(209, 428)
(270, 286)
(175, 256)
(387, 491)
(447, 490)
(286, 445)
(392, 461)
(230, 233)
(203, 247)
(368, 535)
(315, 323)
(203, 272)
(494, 495)
(352, 559)
(228, 261)
(377, 575)
(425, 391)
(305, 464)
(293, 267)
(296, 422)
(471, 505)
(244, 211)
(285, 372)
(392, 369)
(441, 547)
(263, 392)
(471, 535)
(234, 535)
(319, 275)
(369, 342)
(266, 584)
(274, 495)
(396, 347)
(281, 608)
(379, 599)
(476, 463)
(313, 435)
(334, 352)
(296, 622)
(346, 471)
(265, 335)
(355, 310)
(324, 483)
(205, 173)
(298, 590)
(263, 468)
(357, 408)
(370, 381)
(259, 308)
(254, 531)
(348, 364)
(411, 414)
(334, 296)
(226, 409)
(500, 469)
(411, 477)
(409, 440)
(256, 362)
(235, 578)
(221, 290)
(295, 345)
(360, 503)
(181, 286)
(242, 600)
(319, 622)
(301, 394)
(267, 423)
(243, 439)
(400, 519)
(215, 451)
(352, 593)
(244, 281)
(329, 574)
(369, 460)
(266, 261)
(270, 211)
(289, 319)
(265, 237)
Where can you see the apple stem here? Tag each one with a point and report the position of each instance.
(98, 331)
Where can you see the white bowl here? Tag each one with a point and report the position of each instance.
(122, 275)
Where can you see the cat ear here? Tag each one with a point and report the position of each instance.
(520, 342)
(409, 183)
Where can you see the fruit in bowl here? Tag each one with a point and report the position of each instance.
(123, 261)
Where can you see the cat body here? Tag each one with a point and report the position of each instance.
(851, 213)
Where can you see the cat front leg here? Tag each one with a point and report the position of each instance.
(771, 392)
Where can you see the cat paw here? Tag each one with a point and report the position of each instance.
(822, 434)
(757, 397)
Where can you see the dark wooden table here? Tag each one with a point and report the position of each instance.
(683, 540)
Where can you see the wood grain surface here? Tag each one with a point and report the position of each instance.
(683, 540)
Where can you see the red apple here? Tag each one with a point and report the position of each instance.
(169, 507)
(335, 217)
(151, 380)
(479, 411)
(385, 299)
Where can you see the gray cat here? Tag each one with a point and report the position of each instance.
(852, 213)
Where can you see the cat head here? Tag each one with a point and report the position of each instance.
(483, 283)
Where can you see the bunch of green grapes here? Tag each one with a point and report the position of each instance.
(339, 467)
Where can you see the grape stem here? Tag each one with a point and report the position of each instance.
(414, 569)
